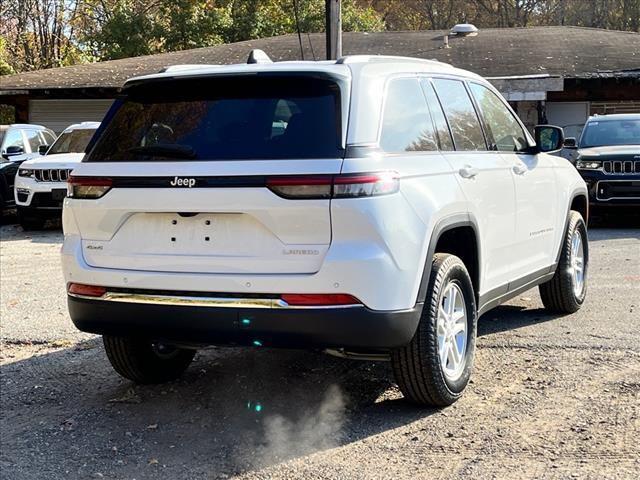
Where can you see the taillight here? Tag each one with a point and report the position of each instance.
(351, 185)
(88, 187)
(365, 185)
(301, 186)
(86, 290)
(319, 299)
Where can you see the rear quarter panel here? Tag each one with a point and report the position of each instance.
(398, 227)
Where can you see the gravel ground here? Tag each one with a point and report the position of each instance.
(551, 397)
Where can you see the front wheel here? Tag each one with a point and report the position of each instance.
(144, 361)
(566, 291)
(435, 367)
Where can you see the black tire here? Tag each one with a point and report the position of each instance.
(142, 361)
(29, 221)
(558, 294)
(417, 366)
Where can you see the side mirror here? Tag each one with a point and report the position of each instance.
(548, 138)
(12, 151)
(42, 149)
(570, 142)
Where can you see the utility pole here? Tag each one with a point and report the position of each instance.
(334, 29)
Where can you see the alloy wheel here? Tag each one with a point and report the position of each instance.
(452, 331)
(577, 263)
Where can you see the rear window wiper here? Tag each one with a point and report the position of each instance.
(165, 150)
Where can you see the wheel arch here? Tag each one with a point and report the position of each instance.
(458, 235)
(580, 203)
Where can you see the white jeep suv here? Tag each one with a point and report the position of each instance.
(40, 186)
(372, 207)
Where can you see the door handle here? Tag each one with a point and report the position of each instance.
(468, 171)
(520, 169)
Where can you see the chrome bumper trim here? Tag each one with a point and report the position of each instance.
(217, 302)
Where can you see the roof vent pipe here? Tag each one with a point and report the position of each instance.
(464, 30)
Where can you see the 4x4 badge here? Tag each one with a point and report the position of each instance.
(182, 182)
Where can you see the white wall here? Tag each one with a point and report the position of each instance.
(569, 115)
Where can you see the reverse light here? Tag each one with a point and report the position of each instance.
(335, 186)
(319, 299)
(588, 165)
(86, 290)
(88, 187)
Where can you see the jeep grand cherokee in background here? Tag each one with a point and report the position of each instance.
(41, 183)
(372, 207)
(18, 142)
(608, 158)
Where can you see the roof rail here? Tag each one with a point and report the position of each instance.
(191, 66)
(258, 56)
(350, 59)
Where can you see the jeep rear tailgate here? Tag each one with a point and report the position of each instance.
(188, 162)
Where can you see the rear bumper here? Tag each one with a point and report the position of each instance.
(356, 328)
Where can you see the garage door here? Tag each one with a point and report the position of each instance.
(59, 114)
(569, 115)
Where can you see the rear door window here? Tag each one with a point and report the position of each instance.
(440, 123)
(225, 118)
(463, 120)
(406, 123)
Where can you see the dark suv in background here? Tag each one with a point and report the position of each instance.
(608, 158)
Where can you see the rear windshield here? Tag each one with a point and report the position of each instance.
(75, 141)
(599, 133)
(224, 118)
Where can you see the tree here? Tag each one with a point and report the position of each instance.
(39, 33)
(184, 24)
(256, 19)
(126, 32)
(5, 67)
(7, 112)
(125, 28)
